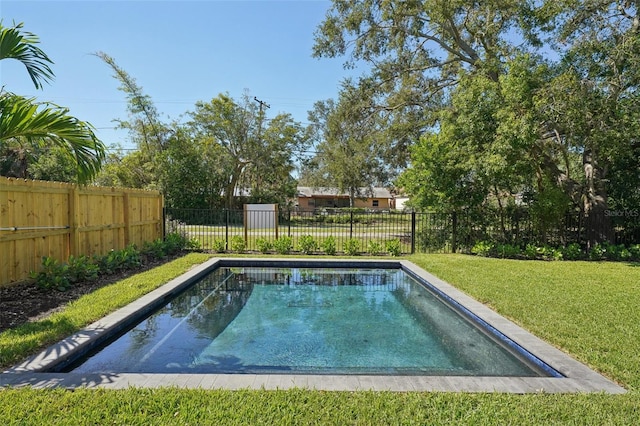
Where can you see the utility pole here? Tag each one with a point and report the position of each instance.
(260, 116)
(262, 104)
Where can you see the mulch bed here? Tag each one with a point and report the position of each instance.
(24, 302)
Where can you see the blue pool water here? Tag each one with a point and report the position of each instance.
(338, 321)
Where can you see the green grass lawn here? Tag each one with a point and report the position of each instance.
(589, 310)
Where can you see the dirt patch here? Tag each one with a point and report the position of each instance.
(25, 302)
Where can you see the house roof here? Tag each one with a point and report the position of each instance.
(376, 192)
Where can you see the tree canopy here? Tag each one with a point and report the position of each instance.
(348, 150)
(225, 149)
(513, 102)
(257, 154)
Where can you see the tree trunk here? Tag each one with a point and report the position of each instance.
(597, 222)
(506, 238)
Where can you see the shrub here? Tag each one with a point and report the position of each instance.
(60, 276)
(175, 242)
(264, 245)
(307, 244)
(116, 260)
(635, 251)
(154, 248)
(572, 252)
(54, 275)
(374, 248)
(507, 251)
(237, 243)
(597, 252)
(624, 254)
(550, 253)
(394, 247)
(483, 248)
(328, 245)
(531, 251)
(283, 245)
(351, 247)
(82, 268)
(219, 245)
(616, 252)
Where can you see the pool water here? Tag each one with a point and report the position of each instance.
(311, 321)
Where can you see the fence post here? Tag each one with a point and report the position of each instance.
(413, 231)
(245, 224)
(74, 221)
(164, 223)
(226, 228)
(289, 223)
(454, 232)
(127, 219)
(351, 224)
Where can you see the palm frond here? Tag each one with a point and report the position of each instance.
(43, 123)
(20, 45)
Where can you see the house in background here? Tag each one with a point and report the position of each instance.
(310, 198)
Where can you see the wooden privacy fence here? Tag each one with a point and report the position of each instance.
(55, 219)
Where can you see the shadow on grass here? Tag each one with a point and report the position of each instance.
(56, 380)
(16, 343)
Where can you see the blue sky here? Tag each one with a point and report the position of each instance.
(180, 52)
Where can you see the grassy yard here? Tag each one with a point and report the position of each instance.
(589, 310)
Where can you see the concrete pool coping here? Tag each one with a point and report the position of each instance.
(577, 376)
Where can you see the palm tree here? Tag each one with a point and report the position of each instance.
(27, 126)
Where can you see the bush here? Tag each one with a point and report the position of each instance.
(53, 276)
(328, 245)
(616, 252)
(483, 248)
(82, 268)
(175, 242)
(531, 251)
(154, 248)
(127, 258)
(264, 245)
(597, 252)
(351, 247)
(283, 245)
(394, 247)
(60, 276)
(374, 248)
(307, 244)
(237, 243)
(550, 253)
(572, 252)
(507, 251)
(219, 245)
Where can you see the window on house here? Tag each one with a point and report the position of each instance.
(375, 203)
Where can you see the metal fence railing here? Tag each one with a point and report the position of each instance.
(424, 232)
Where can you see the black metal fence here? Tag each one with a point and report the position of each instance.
(372, 230)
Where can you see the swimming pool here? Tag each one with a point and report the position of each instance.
(313, 321)
(398, 347)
